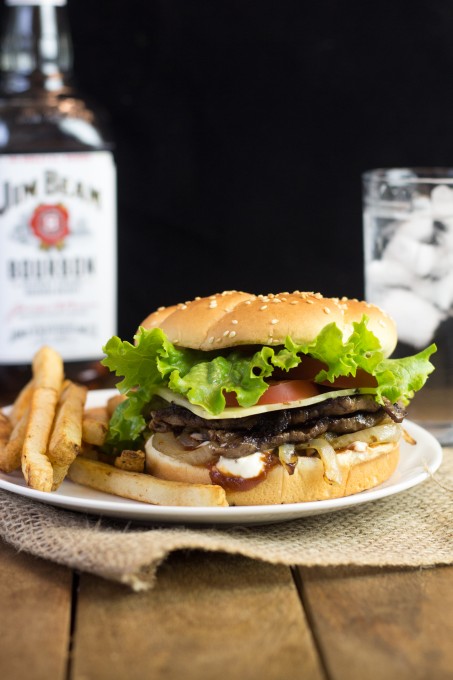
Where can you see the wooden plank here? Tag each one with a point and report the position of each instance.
(382, 624)
(35, 606)
(209, 616)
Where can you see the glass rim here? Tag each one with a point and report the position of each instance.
(423, 175)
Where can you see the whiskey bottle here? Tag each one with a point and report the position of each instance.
(57, 202)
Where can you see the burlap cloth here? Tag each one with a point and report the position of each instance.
(414, 528)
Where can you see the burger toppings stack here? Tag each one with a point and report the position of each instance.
(273, 398)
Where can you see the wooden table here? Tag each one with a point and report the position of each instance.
(218, 616)
(214, 616)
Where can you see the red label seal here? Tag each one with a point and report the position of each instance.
(50, 224)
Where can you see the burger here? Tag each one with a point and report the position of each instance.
(282, 398)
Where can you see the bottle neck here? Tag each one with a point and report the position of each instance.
(36, 48)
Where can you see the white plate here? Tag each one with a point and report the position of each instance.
(417, 463)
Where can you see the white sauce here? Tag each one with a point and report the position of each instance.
(246, 467)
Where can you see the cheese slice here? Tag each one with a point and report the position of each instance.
(241, 412)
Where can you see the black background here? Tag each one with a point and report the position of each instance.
(242, 129)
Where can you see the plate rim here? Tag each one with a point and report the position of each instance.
(120, 508)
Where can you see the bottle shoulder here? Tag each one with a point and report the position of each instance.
(60, 121)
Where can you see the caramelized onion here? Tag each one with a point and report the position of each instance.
(379, 434)
(332, 472)
(288, 457)
(166, 443)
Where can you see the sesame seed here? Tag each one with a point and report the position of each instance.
(326, 310)
(232, 334)
(309, 302)
(263, 307)
(160, 309)
(182, 306)
(274, 321)
(225, 333)
(234, 321)
(211, 340)
(198, 298)
(248, 302)
(213, 304)
(293, 302)
(276, 300)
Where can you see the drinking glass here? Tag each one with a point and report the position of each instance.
(408, 252)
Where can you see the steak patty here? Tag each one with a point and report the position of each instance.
(265, 431)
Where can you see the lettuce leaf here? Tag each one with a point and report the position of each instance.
(203, 377)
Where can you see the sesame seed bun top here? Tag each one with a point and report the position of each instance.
(235, 318)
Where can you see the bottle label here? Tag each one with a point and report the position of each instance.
(57, 254)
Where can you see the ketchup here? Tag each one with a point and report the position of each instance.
(235, 483)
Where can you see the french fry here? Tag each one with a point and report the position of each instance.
(113, 402)
(21, 403)
(10, 454)
(48, 369)
(66, 437)
(59, 474)
(5, 433)
(145, 488)
(133, 461)
(36, 467)
(95, 426)
(5, 427)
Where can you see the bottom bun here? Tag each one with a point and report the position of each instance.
(360, 471)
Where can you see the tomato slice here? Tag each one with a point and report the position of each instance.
(310, 367)
(361, 379)
(281, 392)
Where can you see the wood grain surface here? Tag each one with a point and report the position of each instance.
(35, 614)
(214, 615)
(382, 624)
(211, 616)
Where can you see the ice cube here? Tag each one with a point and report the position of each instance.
(417, 227)
(419, 258)
(381, 274)
(442, 201)
(440, 292)
(416, 318)
(421, 204)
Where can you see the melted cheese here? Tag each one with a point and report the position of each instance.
(241, 412)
